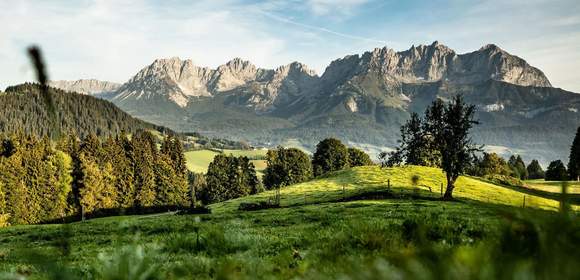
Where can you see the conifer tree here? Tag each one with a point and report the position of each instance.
(125, 168)
(91, 147)
(97, 190)
(63, 185)
(518, 167)
(15, 191)
(145, 154)
(249, 176)
(122, 172)
(574, 159)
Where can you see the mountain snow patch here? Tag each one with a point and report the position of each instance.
(493, 107)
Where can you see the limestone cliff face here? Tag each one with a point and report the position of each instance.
(374, 73)
(436, 62)
(86, 86)
(179, 80)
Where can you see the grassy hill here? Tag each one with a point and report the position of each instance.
(358, 181)
(374, 233)
(199, 160)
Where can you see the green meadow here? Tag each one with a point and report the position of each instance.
(360, 223)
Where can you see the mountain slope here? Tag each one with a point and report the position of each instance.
(362, 99)
(24, 109)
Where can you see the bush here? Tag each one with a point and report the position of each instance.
(504, 180)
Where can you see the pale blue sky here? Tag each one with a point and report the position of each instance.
(112, 40)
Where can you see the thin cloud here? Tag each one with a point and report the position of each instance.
(320, 29)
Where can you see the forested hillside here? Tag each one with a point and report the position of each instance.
(42, 182)
(25, 110)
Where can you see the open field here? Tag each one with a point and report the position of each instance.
(199, 160)
(366, 237)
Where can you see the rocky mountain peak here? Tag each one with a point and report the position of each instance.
(436, 62)
(295, 68)
(234, 73)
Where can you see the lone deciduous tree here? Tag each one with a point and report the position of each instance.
(449, 125)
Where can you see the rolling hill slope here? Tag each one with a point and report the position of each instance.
(370, 180)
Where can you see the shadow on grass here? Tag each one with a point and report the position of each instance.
(111, 212)
(571, 198)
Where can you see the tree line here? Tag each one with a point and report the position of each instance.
(43, 181)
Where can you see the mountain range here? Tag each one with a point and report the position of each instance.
(362, 99)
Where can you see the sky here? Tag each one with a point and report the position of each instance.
(113, 39)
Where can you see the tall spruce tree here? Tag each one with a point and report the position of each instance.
(145, 154)
(574, 159)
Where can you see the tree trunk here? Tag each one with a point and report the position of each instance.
(449, 190)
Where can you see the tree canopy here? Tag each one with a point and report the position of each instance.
(331, 155)
(286, 166)
(556, 171)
